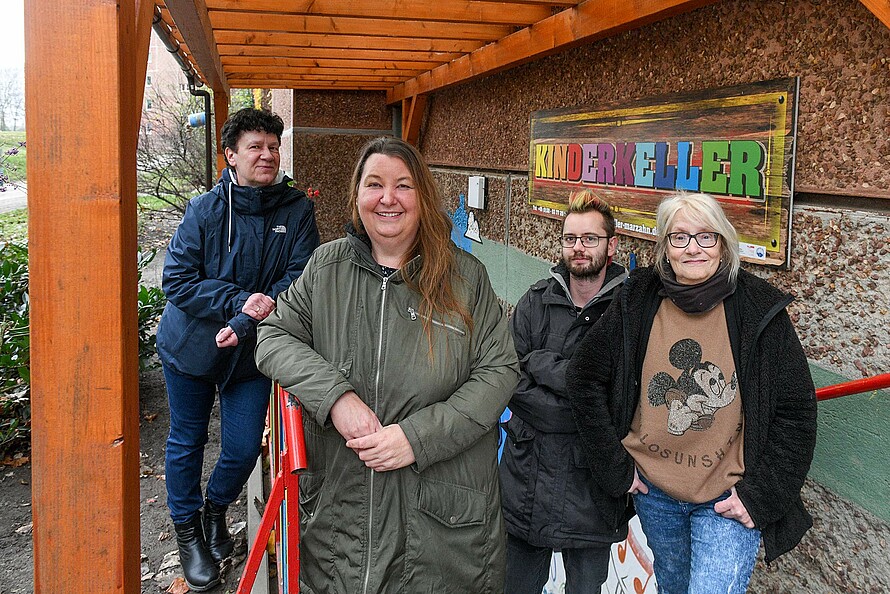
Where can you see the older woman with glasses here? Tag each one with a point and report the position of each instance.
(693, 395)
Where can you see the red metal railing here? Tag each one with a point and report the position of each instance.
(292, 460)
(868, 384)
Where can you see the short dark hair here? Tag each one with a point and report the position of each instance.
(586, 200)
(250, 120)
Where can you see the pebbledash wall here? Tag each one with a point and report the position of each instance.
(838, 270)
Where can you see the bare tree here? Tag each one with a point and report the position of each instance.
(12, 98)
(170, 155)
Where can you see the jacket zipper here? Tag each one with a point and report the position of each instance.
(414, 315)
(371, 482)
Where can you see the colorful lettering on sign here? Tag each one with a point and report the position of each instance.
(728, 167)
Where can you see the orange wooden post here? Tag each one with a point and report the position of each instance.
(83, 93)
(413, 110)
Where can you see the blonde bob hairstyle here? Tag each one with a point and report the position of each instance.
(435, 276)
(707, 212)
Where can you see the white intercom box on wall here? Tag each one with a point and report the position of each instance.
(476, 192)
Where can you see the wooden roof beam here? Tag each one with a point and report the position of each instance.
(190, 17)
(879, 9)
(466, 11)
(413, 110)
(589, 21)
(144, 16)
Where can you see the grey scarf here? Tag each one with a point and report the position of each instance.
(697, 298)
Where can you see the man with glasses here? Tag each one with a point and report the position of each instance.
(549, 496)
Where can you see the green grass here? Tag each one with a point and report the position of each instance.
(14, 225)
(151, 203)
(15, 165)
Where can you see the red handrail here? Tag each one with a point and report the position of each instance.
(292, 459)
(868, 384)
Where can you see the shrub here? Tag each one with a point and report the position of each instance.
(15, 369)
(150, 305)
(12, 160)
(15, 364)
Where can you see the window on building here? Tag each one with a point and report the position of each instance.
(148, 104)
(148, 81)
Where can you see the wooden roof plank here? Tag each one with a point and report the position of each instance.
(588, 22)
(194, 24)
(320, 77)
(405, 73)
(280, 40)
(274, 64)
(228, 52)
(467, 11)
(391, 27)
(310, 86)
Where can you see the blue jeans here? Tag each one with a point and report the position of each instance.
(697, 551)
(528, 568)
(242, 414)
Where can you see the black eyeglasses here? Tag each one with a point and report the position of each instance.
(705, 239)
(588, 240)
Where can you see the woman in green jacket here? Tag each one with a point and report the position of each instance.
(396, 345)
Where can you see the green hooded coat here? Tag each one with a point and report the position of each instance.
(436, 525)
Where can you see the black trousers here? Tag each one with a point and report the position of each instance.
(528, 568)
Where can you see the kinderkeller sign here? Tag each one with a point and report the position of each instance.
(735, 143)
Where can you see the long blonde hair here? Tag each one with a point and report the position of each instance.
(435, 277)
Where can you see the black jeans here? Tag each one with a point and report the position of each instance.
(528, 568)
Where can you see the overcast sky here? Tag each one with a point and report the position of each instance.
(12, 34)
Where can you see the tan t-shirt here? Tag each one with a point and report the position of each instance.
(686, 436)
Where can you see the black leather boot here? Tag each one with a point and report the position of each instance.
(200, 572)
(219, 542)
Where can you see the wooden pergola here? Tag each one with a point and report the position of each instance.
(85, 70)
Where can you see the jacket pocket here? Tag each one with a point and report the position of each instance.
(313, 478)
(188, 344)
(452, 543)
(604, 514)
(451, 505)
(518, 473)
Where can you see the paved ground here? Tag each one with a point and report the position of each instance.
(13, 199)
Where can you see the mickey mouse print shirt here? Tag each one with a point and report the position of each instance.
(686, 437)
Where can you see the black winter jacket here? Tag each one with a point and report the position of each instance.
(547, 487)
(778, 398)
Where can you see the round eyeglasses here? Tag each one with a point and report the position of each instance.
(705, 239)
(587, 240)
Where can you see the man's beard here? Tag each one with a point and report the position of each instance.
(587, 270)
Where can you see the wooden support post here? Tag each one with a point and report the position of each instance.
(220, 115)
(413, 109)
(82, 240)
(879, 9)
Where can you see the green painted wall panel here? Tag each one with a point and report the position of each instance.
(511, 272)
(852, 445)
